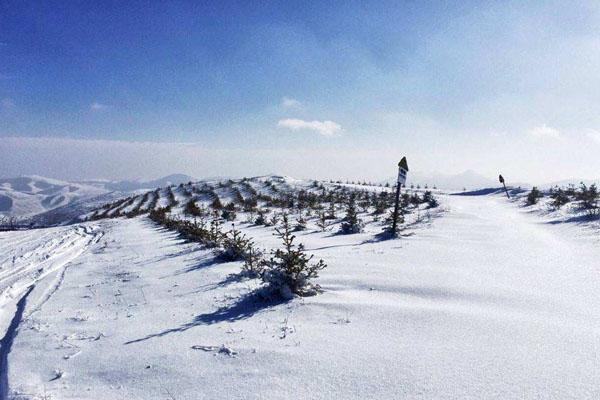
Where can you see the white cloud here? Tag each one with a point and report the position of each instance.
(544, 131)
(325, 128)
(95, 106)
(288, 102)
(593, 135)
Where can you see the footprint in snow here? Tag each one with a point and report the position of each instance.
(217, 350)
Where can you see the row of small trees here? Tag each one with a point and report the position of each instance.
(287, 271)
(321, 201)
(387, 184)
(586, 196)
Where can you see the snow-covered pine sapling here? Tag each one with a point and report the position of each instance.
(289, 270)
(228, 215)
(254, 264)
(274, 220)
(380, 204)
(154, 200)
(534, 196)
(216, 203)
(234, 245)
(560, 198)
(215, 235)
(364, 205)
(389, 222)
(430, 200)
(351, 223)
(250, 204)
(300, 224)
(322, 221)
(415, 200)
(191, 208)
(588, 196)
(158, 215)
(331, 212)
(171, 197)
(260, 218)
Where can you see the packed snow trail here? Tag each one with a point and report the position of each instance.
(485, 302)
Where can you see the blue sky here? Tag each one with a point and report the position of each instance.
(340, 88)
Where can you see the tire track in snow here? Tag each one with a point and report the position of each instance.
(7, 341)
(44, 259)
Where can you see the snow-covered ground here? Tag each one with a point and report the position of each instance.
(487, 301)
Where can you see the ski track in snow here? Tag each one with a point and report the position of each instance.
(485, 302)
(7, 341)
(34, 260)
(41, 258)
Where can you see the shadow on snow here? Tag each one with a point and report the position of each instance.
(243, 308)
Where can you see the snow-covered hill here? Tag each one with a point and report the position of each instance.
(485, 302)
(45, 201)
(30, 195)
(136, 185)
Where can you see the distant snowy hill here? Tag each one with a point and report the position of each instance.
(30, 195)
(130, 186)
(50, 201)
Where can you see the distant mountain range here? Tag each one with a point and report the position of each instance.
(130, 186)
(40, 198)
(30, 195)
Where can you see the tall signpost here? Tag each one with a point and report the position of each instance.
(501, 179)
(402, 172)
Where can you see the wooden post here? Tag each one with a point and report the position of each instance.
(396, 206)
(402, 171)
(501, 179)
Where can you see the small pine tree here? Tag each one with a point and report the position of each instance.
(228, 215)
(260, 218)
(322, 221)
(389, 222)
(534, 196)
(300, 224)
(274, 220)
(351, 223)
(254, 265)
(560, 198)
(191, 208)
(289, 270)
(430, 200)
(234, 245)
(588, 196)
(216, 203)
(214, 235)
(331, 212)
